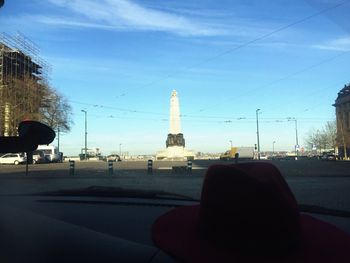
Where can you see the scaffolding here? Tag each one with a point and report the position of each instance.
(23, 76)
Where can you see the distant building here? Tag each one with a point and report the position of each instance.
(21, 78)
(342, 108)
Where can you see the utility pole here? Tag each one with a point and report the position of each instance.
(58, 139)
(120, 150)
(273, 148)
(85, 133)
(257, 132)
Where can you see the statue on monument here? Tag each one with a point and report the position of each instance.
(175, 140)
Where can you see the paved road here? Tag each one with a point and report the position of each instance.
(303, 168)
(320, 183)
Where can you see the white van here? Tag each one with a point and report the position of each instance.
(51, 153)
(13, 158)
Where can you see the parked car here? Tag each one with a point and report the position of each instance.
(263, 157)
(39, 157)
(13, 158)
(329, 157)
(113, 157)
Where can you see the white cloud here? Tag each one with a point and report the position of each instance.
(339, 44)
(122, 14)
(129, 15)
(63, 21)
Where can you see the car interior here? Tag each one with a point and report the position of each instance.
(115, 224)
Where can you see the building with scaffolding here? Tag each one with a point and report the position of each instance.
(23, 76)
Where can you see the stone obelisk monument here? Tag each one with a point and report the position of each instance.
(175, 137)
(175, 143)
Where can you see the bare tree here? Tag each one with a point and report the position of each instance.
(30, 98)
(21, 99)
(323, 139)
(56, 112)
(313, 139)
(330, 131)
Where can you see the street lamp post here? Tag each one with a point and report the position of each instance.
(120, 150)
(231, 143)
(85, 133)
(296, 136)
(257, 132)
(273, 148)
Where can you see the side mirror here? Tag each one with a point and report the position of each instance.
(31, 134)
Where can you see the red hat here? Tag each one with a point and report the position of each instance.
(247, 213)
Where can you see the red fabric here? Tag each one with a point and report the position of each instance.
(252, 210)
(176, 233)
(248, 214)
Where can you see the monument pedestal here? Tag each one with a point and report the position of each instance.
(175, 153)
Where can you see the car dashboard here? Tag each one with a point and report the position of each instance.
(40, 228)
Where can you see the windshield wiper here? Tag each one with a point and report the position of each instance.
(109, 191)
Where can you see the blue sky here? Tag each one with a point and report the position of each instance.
(120, 60)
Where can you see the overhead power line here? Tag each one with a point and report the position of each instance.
(305, 69)
(277, 80)
(230, 51)
(241, 120)
(115, 108)
(247, 43)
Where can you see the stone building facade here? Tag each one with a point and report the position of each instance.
(342, 108)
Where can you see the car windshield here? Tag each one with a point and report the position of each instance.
(147, 95)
